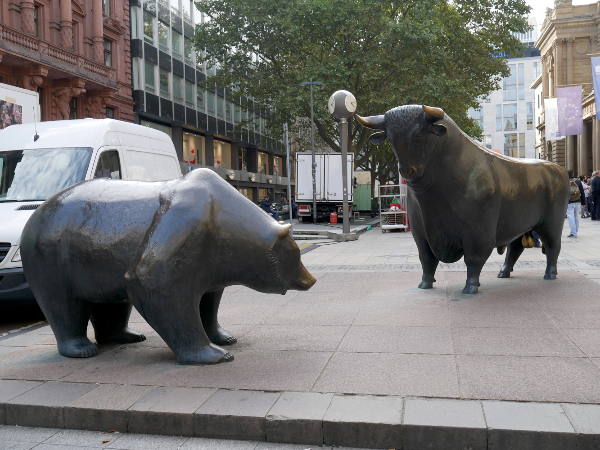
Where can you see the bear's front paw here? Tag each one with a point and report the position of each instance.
(221, 337)
(77, 348)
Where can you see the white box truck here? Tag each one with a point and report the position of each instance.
(18, 106)
(39, 160)
(329, 186)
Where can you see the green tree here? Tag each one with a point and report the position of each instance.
(387, 53)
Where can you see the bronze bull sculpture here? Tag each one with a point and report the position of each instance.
(465, 200)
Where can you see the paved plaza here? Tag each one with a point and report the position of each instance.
(363, 334)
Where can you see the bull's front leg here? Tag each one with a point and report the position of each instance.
(428, 260)
(474, 261)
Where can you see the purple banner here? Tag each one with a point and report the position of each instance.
(596, 78)
(570, 113)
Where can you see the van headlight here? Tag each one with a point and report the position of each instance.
(17, 256)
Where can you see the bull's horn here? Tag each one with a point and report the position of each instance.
(375, 122)
(436, 113)
(284, 230)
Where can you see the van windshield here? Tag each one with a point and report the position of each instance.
(37, 174)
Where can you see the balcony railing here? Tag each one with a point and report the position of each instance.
(34, 44)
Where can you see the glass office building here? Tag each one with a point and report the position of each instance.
(171, 94)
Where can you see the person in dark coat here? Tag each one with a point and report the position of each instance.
(266, 206)
(595, 193)
(575, 204)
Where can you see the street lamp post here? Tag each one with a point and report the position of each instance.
(342, 105)
(312, 83)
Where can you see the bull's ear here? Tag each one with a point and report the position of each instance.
(378, 138)
(438, 129)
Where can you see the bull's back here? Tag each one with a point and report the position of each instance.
(89, 235)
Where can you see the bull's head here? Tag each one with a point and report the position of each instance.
(409, 128)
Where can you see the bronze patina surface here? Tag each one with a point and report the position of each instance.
(465, 200)
(169, 248)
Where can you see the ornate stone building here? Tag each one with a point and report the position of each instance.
(568, 39)
(75, 53)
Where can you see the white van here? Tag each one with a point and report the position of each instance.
(64, 153)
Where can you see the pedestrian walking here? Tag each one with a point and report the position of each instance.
(595, 193)
(585, 210)
(576, 200)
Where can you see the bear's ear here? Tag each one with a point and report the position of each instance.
(284, 230)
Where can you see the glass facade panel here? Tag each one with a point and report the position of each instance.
(175, 6)
(242, 158)
(210, 102)
(511, 147)
(263, 162)
(278, 166)
(530, 116)
(521, 145)
(510, 116)
(188, 48)
(220, 107)
(135, 73)
(510, 84)
(164, 84)
(187, 10)
(150, 80)
(200, 99)
(189, 94)
(177, 89)
(248, 193)
(477, 115)
(148, 27)
(223, 155)
(176, 43)
(193, 149)
(163, 37)
(487, 141)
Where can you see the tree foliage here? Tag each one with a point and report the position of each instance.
(386, 52)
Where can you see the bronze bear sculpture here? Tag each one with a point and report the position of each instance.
(464, 199)
(169, 248)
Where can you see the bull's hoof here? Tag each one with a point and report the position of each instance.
(211, 354)
(425, 285)
(470, 289)
(504, 274)
(550, 276)
(77, 348)
(124, 336)
(221, 337)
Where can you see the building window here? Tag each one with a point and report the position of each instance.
(243, 159)
(521, 81)
(163, 37)
(73, 108)
(530, 116)
(106, 7)
(200, 98)
(189, 94)
(509, 90)
(193, 148)
(510, 116)
(510, 145)
(263, 162)
(150, 78)
(36, 15)
(187, 9)
(164, 84)
(222, 154)
(107, 53)
(487, 141)
(278, 166)
(110, 113)
(220, 106)
(148, 27)
(175, 6)
(498, 117)
(210, 103)
(177, 92)
(229, 111)
(188, 51)
(477, 115)
(537, 70)
(176, 44)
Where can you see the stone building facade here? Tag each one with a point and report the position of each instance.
(568, 39)
(75, 53)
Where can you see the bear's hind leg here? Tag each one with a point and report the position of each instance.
(69, 320)
(209, 309)
(110, 322)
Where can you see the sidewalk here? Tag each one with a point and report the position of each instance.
(363, 359)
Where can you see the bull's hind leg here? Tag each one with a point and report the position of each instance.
(550, 237)
(475, 257)
(209, 309)
(513, 251)
(110, 322)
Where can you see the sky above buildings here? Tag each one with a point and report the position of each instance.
(539, 7)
